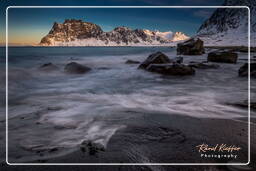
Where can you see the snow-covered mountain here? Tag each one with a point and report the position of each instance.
(78, 33)
(179, 36)
(229, 26)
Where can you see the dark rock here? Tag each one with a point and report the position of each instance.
(203, 65)
(243, 70)
(244, 104)
(48, 67)
(132, 62)
(54, 149)
(252, 59)
(171, 69)
(178, 60)
(103, 68)
(155, 58)
(75, 68)
(191, 47)
(223, 57)
(54, 108)
(91, 147)
(243, 49)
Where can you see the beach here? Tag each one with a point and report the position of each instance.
(117, 113)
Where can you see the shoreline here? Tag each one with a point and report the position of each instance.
(235, 48)
(181, 145)
(179, 139)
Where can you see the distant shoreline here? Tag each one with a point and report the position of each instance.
(83, 46)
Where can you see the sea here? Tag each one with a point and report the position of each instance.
(59, 110)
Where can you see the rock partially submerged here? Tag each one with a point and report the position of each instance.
(191, 47)
(178, 60)
(48, 67)
(222, 57)
(160, 63)
(132, 62)
(171, 69)
(243, 70)
(203, 65)
(75, 68)
(155, 58)
(91, 147)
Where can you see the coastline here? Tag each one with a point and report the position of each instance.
(253, 48)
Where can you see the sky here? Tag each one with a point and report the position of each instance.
(29, 25)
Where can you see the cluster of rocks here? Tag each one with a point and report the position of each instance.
(71, 68)
(160, 63)
(195, 47)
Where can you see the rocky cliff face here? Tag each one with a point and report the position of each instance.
(229, 26)
(71, 30)
(78, 33)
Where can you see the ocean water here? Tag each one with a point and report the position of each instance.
(55, 109)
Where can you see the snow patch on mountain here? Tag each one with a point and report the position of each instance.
(179, 36)
(97, 42)
(229, 26)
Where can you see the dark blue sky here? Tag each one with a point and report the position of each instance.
(29, 25)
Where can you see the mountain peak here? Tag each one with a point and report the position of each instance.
(178, 36)
(229, 25)
(122, 29)
(77, 32)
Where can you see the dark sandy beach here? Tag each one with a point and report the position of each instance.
(162, 139)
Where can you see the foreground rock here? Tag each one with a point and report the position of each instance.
(132, 62)
(203, 65)
(191, 47)
(243, 71)
(75, 68)
(223, 57)
(155, 58)
(48, 67)
(178, 60)
(171, 69)
(91, 147)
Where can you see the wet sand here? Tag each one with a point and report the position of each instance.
(161, 139)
